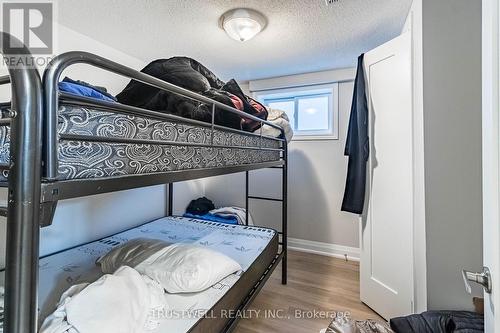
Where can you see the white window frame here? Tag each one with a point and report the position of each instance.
(333, 106)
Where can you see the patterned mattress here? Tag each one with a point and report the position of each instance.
(81, 159)
(244, 244)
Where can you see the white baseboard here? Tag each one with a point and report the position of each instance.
(326, 249)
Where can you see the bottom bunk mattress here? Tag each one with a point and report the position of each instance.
(254, 248)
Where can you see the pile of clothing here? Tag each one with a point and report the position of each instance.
(189, 74)
(192, 75)
(204, 209)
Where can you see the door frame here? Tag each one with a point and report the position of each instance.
(491, 155)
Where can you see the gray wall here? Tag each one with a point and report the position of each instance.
(452, 136)
(317, 171)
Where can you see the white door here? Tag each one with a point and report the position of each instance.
(386, 269)
(491, 154)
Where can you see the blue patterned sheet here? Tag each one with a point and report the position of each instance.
(242, 243)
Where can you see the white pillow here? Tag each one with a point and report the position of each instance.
(186, 268)
(130, 253)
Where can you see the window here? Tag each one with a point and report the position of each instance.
(313, 110)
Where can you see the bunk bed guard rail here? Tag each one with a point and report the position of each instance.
(25, 123)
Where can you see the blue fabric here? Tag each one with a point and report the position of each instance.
(213, 218)
(82, 90)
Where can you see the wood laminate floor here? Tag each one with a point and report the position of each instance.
(317, 286)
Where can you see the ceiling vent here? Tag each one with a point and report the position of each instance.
(331, 2)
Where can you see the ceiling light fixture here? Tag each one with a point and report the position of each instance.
(242, 24)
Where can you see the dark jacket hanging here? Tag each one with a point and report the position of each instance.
(357, 146)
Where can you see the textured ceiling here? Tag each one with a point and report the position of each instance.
(301, 36)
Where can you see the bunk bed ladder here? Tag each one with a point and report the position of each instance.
(284, 210)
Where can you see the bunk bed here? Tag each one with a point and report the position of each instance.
(56, 146)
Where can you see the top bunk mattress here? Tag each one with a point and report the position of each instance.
(79, 158)
(250, 246)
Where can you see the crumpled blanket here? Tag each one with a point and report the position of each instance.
(344, 325)
(280, 118)
(439, 322)
(123, 302)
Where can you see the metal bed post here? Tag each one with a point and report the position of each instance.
(22, 248)
(170, 208)
(284, 214)
(246, 197)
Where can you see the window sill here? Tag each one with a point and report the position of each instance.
(314, 138)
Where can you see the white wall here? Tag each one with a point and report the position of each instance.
(317, 171)
(452, 126)
(85, 219)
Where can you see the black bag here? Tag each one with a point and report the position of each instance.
(200, 206)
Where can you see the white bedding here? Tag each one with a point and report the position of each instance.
(122, 302)
(244, 244)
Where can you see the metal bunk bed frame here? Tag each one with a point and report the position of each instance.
(33, 187)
